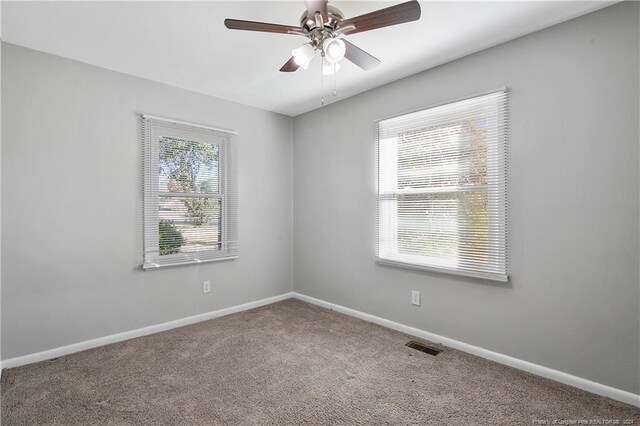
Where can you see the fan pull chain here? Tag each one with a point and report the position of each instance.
(322, 79)
(335, 92)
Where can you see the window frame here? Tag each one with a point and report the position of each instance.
(154, 130)
(497, 223)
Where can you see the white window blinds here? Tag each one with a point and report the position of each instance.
(190, 194)
(442, 188)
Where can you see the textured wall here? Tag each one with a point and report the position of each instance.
(71, 205)
(573, 300)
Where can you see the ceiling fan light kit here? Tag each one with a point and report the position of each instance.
(333, 49)
(325, 27)
(329, 68)
(303, 55)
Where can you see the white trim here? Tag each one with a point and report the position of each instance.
(503, 278)
(549, 373)
(170, 120)
(119, 337)
(439, 104)
(151, 266)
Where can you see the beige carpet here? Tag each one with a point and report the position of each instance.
(287, 363)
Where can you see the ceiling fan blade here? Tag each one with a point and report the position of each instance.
(290, 66)
(314, 6)
(394, 15)
(236, 24)
(359, 56)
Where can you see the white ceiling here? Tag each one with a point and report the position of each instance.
(185, 44)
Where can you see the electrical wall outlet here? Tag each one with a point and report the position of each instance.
(415, 297)
(206, 287)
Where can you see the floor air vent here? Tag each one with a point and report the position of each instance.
(422, 348)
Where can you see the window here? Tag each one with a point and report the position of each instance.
(442, 188)
(190, 202)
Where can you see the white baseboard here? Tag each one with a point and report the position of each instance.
(549, 373)
(119, 337)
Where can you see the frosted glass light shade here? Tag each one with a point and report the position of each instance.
(303, 55)
(334, 49)
(328, 67)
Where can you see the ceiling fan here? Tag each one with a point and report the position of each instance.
(325, 26)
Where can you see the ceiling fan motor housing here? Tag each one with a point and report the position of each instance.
(318, 34)
(334, 16)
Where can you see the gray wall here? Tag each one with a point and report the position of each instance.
(71, 205)
(573, 300)
(0, 184)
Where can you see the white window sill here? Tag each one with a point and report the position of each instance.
(482, 275)
(151, 266)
